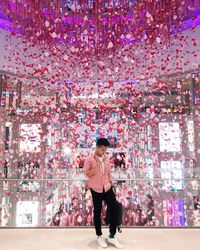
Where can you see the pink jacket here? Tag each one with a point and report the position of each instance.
(98, 181)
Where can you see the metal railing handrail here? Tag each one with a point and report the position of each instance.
(116, 179)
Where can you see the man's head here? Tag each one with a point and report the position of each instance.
(102, 145)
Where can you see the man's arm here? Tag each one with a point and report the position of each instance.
(109, 173)
(88, 169)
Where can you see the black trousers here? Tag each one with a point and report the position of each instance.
(110, 199)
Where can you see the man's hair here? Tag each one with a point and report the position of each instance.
(103, 142)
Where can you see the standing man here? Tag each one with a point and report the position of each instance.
(98, 170)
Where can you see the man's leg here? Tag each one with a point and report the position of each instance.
(112, 204)
(111, 201)
(97, 202)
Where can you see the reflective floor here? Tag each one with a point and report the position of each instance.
(132, 239)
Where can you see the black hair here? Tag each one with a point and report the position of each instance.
(103, 142)
(149, 197)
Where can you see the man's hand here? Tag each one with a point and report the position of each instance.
(91, 172)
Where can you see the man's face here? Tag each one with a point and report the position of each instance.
(101, 150)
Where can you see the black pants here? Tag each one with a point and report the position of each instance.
(110, 199)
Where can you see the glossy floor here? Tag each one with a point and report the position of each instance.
(132, 239)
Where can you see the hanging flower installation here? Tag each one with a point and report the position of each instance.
(88, 69)
(96, 26)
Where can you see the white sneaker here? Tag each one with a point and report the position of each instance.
(101, 241)
(114, 241)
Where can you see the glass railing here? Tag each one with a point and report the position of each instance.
(68, 203)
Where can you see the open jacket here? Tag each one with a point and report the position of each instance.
(98, 181)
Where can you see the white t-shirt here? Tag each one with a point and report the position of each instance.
(101, 165)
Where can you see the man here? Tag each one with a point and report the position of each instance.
(98, 170)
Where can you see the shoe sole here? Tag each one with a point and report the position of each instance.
(102, 246)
